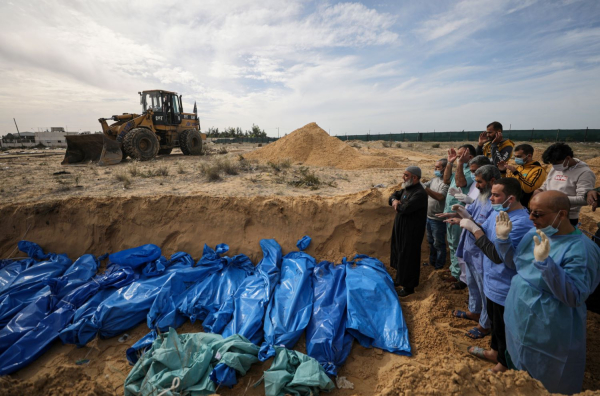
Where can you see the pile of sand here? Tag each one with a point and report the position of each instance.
(593, 161)
(311, 145)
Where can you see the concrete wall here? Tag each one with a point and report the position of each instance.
(18, 145)
(52, 139)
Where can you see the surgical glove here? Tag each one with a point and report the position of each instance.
(464, 198)
(503, 226)
(453, 191)
(469, 225)
(541, 251)
(462, 212)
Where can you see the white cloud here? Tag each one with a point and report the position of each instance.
(348, 66)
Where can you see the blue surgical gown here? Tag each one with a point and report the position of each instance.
(467, 250)
(545, 313)
(497, 277)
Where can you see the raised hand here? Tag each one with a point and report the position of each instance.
(502, 165)
(454, 190)
(451, 155)
(498, 137)
(469, 225)
(482, 138)
(503, 226)
(592, 197)
(445, 215)
(541, 251)
(464, 198)
(461, 211)
(453, 221)
(464, 158)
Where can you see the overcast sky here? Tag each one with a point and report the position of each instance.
(384, 66)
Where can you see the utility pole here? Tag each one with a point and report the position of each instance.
(18, 133)
(277, 132)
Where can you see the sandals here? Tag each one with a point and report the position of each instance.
(477, 352)
(462, 315)
(476, 334)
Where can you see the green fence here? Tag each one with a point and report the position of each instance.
(243, 140)
(532, 135)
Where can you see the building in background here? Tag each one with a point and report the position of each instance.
(56, 137)
(12, 140)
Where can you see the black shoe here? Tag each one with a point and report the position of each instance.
(404, 292)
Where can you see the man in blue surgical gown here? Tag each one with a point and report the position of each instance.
(545, 316)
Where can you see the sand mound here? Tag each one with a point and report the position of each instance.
(311, 145)
(593, 161)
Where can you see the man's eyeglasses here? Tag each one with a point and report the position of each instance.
(537, 215)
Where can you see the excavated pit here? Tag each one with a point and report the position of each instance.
(339, 226)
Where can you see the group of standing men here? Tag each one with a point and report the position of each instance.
(511, 230)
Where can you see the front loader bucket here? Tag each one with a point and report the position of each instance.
(96, 148)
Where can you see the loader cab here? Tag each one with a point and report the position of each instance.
(166, 106)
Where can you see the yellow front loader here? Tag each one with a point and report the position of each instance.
(161, 127)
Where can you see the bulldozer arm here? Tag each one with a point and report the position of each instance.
(97, 148)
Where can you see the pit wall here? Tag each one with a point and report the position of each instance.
(339, 226)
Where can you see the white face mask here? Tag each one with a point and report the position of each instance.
(561, 167)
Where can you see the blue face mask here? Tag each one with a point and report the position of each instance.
(550, 230)
(519, 161)
(500, 207)
(438, 173)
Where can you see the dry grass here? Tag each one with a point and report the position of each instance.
(123, 178)
(211, 172)
(308, 179)
(134, 170)
(227, 167)
(280, 165)
(161, 171)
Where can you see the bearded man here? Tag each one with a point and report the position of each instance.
(469, 251)
(410, 205)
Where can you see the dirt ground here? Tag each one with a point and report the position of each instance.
(172, 202)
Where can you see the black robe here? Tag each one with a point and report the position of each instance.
(407, 234)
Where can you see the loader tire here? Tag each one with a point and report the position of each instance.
(190, 142)
(141, 144)
(165, 151)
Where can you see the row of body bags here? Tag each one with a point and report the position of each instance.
(46, 297)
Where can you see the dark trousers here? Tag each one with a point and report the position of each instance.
(436, 236)
(498, 343)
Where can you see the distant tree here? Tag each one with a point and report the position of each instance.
(229, 132)
(256, 132)
(212, 132)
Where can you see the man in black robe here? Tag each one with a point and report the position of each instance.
(410, 205)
